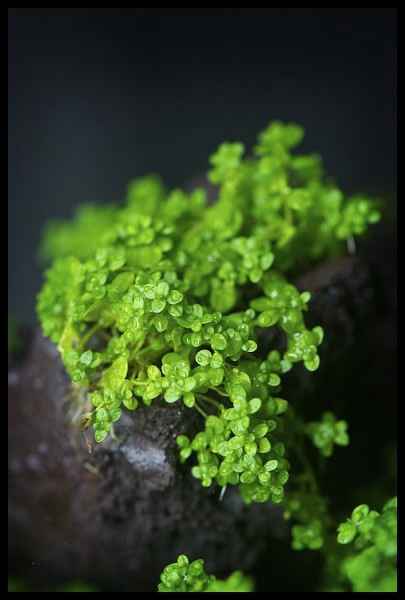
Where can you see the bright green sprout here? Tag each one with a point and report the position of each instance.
(372, 564)
(237, 582)
(308, 510)
(169, 297)
(80, 237)
(308, 536)
(186, 576)
(328, 432)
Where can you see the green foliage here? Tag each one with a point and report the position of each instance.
(80, 237)
(370, 566)
(77, 586)
(309, 511)
(16, 585)
(169, 297)
(328, 432)
(308, 536)
(237, 582)
(186, 576)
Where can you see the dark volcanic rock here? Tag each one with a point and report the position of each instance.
(117, 513)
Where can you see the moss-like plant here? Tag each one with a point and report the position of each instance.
(186, 576)
(372, 563)
(169, 296)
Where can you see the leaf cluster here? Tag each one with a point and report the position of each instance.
(328, 432)
(186, 576)
(169, 297)
(371, 566)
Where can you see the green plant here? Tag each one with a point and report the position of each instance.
(328, 432)
(169, 296)
(371, 565)
(186, 576)
(16, 585)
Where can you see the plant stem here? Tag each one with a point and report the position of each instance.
(200, 410)
(89, 335)
(210, 401)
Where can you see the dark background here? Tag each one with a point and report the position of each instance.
(98, 97)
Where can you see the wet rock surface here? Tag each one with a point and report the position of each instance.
(116, 513)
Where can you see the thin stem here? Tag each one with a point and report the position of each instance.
(210, 401)
(288, 213)
(89, 335)
(200, 410)
(154, 354)
(351, 245)
(136, 350)
(222, 494)
(220, 392)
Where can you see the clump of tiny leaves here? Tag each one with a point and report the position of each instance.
(371, 562)
(309, 512)
(169, 297)
(328, 432)
(186, 576)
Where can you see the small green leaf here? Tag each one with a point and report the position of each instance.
(346, 532)
(115, 374)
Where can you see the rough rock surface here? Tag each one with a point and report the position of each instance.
(115, 514)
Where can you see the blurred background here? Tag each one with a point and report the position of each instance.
(99, 97)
